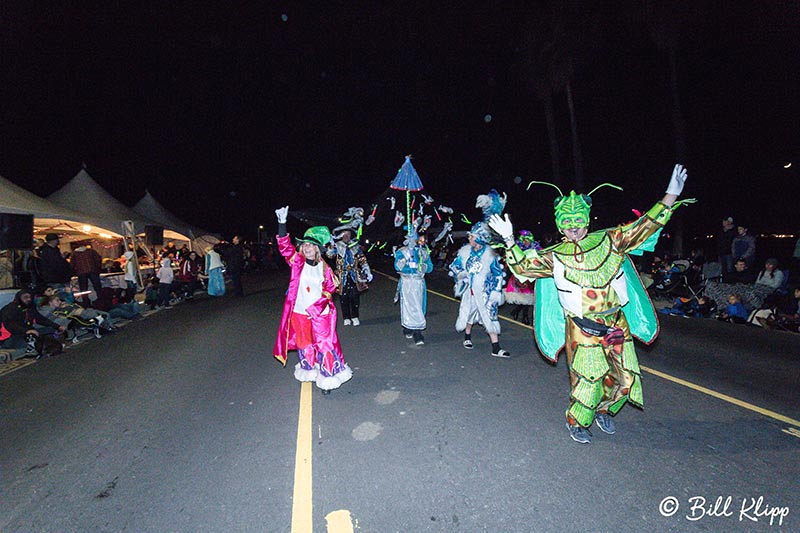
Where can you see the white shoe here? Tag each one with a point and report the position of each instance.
(346, 321)
(356, 322)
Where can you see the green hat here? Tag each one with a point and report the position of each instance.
(319, 235)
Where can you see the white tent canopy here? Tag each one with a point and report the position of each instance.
(149, 207)
(49, 216)
(82, 192)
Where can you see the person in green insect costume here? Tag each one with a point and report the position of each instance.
(590, 301)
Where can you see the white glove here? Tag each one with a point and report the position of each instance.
(503, 227)
(282, 213)
(677, 180)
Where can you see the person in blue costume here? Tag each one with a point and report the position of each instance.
(590, 301)
(479, 278)
(413, 261)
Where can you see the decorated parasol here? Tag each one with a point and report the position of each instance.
(407, 180)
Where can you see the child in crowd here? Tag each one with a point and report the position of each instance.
(151, 293)
(165, 278)
(699, 307)
(735, 312)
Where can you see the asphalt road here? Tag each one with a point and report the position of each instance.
(184, 422)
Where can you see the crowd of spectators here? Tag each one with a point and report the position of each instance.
(49, 309)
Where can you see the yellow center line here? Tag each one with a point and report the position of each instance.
(302, 498)
(668, 377)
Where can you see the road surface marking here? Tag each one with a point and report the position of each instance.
(339, 521)
(794, 432)
(302, 499)
(679, 381)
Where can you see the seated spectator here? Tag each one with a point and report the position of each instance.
(770, 276)
(740, 282)
(735, 311)
(700, 307)
(741, 273)
(189, 274)
(151, 293)
(21, 324)
(110, 302)
(786, 317)
(74, 316)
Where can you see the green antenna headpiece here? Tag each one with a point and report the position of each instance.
(573, 211)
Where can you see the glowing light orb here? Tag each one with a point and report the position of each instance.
(518, 180)
(284, 17)
(487, 117)
(87, 229)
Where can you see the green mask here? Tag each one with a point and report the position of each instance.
(572, 211)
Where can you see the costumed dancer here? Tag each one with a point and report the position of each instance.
(603, 303)
(308, 323)
(412, 261)
(354, 273)
(479, 278)
(519, 293)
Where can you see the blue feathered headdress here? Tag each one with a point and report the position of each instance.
(491, 204)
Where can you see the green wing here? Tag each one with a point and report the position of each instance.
(549, 323)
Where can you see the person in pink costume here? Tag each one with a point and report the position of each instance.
(520, 293)
(308, 323)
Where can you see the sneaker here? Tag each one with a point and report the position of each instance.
(408, 333)
(419, 340)
(346, 321)
(501, 353)
(468, 344)
(356, 322)
(96, 331)
(579, 434)
(605, 423)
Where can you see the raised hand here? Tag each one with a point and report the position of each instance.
(282, 213)
(503, 227)
(677, 180)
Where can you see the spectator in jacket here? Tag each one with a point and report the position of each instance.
(165, 279)
(741, 273)
(735, 312)
(233, 255)
(53, 268)
(744, 246)
(21, 324)
(770, 276)
(725, 245)
(87, 264)
(130, 274)
(189, 273)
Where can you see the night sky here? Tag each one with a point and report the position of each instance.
(226, 112)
